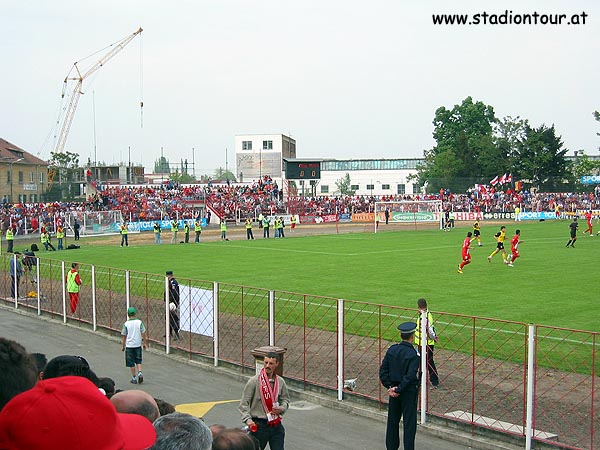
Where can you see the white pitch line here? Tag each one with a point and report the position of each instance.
(288, 250)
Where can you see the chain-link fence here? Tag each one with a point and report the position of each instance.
(510, 377)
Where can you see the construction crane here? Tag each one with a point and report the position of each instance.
(76, 75)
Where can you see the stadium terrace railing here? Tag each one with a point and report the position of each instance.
(518, 379)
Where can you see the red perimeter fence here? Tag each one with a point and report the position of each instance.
(519, 379)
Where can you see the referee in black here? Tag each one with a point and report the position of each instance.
(399, 373)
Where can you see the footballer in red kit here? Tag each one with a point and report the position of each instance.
(514, 248)
(466, 256)
(588, 216)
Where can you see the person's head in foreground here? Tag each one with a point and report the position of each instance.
(70, 413)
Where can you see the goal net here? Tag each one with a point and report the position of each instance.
(98, 222)
(408, 212)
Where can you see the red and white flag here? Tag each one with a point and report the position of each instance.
(502, 179)
(494, 182)
(509, 178)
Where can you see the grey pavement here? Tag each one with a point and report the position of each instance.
(309, 424)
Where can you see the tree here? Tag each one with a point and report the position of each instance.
(222, 174)
(583, 166)
(540, 158)
(161, 165)
(343, 185)
(465, 152)
(181, 177)
(63, 168)
(508, 133)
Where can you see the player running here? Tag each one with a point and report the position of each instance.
(514, 248)
(477, 233)
(500, 238)
(588, 216)
(466, 256)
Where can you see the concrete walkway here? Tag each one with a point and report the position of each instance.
(214, 392)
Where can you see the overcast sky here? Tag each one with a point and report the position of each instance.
(346, 79)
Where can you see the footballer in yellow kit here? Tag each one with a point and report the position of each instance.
(500, 237)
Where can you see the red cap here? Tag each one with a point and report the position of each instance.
(70, 413)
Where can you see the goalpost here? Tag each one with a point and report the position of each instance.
(409, 211)
(98, 222)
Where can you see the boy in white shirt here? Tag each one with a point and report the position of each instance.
(134, 334)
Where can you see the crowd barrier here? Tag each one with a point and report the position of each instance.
(536, 383)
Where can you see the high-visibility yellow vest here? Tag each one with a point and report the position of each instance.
(10, 236)
(198, 227)
(418, 331)
(44, 238)
(72, 286)
(124, 229)
(248, 224)
(186, 228)
(174, 226)
(223, 226)
(60, 233)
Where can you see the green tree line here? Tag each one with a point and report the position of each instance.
(473, 146)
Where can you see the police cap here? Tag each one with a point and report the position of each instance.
(407, 327)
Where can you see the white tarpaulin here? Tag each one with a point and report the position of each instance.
(196, 310)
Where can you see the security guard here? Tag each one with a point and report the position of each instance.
(249, 234)
(432, 338)
(399, 373)
(186, 232)
(197, 230)
(60, 236)
(157, 231)
(10, 239)
(266, 223)
(224, 229)
(124, 235)
(174, 229)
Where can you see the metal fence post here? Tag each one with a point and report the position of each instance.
(37, 285)
(340, 348)
(423, 344)
(272, 318)
(94, 318)
(530, 382)
(64, 291)
(216, 323)
(167, 324)
(15, 280)
(127, 293)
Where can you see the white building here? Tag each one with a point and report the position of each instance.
(257, 155)
(262, 154)
(369, 176)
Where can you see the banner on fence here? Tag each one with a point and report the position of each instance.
(197, 312)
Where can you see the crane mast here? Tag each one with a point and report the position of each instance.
(77, 91)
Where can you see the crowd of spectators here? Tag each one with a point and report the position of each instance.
(64, 404)
(237, 201)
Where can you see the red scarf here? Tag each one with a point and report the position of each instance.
(268, 396)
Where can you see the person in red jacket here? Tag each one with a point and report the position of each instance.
(73, 283)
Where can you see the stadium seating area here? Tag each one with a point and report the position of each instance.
(236, 200)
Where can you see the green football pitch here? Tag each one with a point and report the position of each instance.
(549, 284)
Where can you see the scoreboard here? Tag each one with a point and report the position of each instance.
(302, 170)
